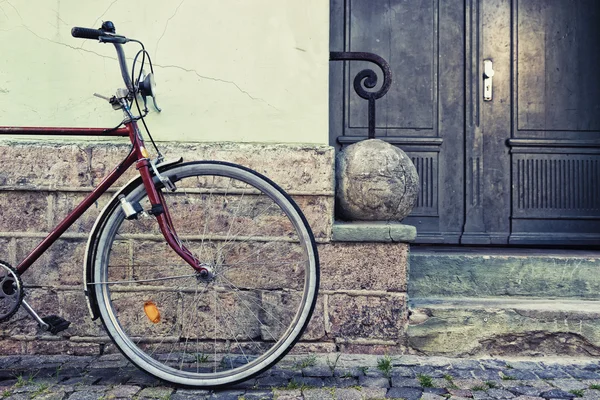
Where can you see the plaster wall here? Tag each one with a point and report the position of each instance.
(232, 70)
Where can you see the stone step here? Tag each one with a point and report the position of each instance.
(521, 327)
(485, 272)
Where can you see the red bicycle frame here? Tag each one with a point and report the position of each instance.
(138, 156)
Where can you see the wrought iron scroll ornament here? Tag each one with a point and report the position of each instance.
(368, 78)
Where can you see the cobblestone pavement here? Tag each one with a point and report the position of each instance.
(327, 376)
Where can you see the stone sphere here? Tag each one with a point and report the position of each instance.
(375, 181)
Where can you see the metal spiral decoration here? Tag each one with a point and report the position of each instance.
(368, 79)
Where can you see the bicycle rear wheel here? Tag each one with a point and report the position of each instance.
(182, 328)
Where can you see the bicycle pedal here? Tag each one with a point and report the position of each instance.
(56, 324)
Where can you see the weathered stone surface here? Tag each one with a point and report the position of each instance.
(557, 394)
(65, 202)
(61, 264)
(569, 384)
(431, 396)
(373, 393)
(404, 393)
(44, 164)
(373, 232)
(367, 316)
(319, 394)
(318, 211)
(373, 382)
(72, 306)
(375, 181)
(308, 381)
(84, 395)
(159, 392)
(348, 394)
(298, 167)
(364, 266)
(372, 348)
(313, 347)
(287, 393)
(506, 327)
(530, 274)
(63, 347)
(525, 390)
(9, 347)
(500, 394)
(24, 211)
(258, 395)
(316, 327)
(320, 371)
(460, 393)
(398, 381)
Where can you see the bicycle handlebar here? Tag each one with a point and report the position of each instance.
(107, 36)
(87, 33)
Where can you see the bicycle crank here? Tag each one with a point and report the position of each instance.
(11, 291)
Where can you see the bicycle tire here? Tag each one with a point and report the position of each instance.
(243, 320)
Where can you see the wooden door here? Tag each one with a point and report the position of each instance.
(533, 151)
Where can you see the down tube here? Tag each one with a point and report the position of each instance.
(77, 212)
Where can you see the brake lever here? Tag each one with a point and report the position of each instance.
(156, 107)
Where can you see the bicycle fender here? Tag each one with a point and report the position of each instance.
(90, 250)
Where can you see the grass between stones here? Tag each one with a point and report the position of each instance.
(426, 381)
(385, 365)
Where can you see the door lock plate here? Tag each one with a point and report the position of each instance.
(488, 73)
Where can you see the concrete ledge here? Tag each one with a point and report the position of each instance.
(504, 272)
(373, 232)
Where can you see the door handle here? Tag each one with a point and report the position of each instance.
(488, 73)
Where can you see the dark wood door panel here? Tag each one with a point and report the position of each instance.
(406, 35)
(557, 55)
(555, 143)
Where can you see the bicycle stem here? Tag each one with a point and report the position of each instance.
(123, 65)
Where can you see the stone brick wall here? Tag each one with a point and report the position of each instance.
(362, 303)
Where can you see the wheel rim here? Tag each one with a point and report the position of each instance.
(248, 314)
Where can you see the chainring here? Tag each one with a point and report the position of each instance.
(11, 291)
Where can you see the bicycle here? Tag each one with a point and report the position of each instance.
(203, 273)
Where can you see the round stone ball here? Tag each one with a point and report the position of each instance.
(375, 181)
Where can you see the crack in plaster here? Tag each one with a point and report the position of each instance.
(103, 14)
(83, 42)
(14, 8)
(3, 12)
(165, 29)
(64, 44)
(218, 80)
(156, 65)
(59, 18)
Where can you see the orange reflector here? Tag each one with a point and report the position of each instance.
(152, 312)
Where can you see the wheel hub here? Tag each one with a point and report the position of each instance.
(206, 274)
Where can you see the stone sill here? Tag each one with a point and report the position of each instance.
(373, 231)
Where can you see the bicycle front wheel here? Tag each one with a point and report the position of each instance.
(215, 331)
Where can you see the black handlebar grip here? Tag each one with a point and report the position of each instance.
(87, 33)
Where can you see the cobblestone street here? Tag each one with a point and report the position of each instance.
(310, 377)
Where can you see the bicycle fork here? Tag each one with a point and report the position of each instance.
(161, 212)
